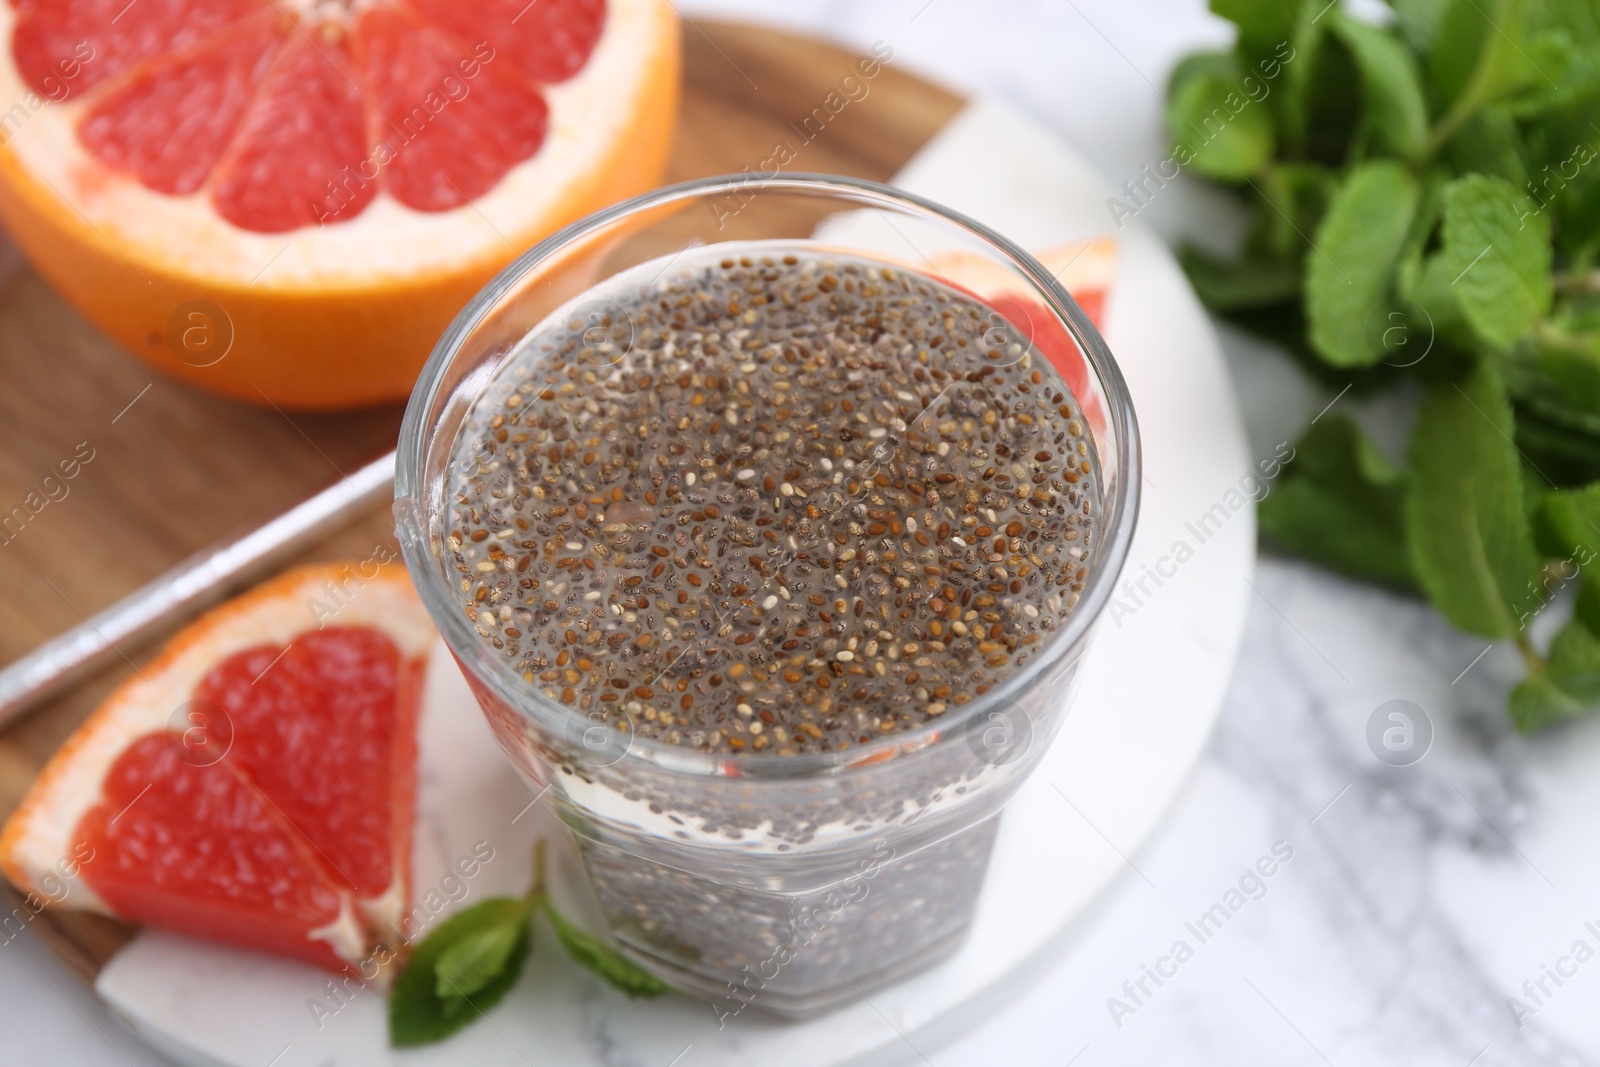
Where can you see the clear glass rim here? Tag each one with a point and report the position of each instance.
(1119, 509)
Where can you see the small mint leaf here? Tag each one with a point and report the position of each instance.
(1493, 271)
(1289, 202)
(1262, 23)
(418, 1015)
(1587, 607)
(1350, 271)
(1480, 53)
(1537, 702)
(466, 966)
(1569, 686)
(1339, 503)
(1235, 285)
(1419, 21)
(1574, 516)
(595, 955)
(1566, 453)
(1491, 143)
(1466, 522)
(1394, 109)
(1216, 126)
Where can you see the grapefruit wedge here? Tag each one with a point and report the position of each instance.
(290, 199)
(1086, 270)
(255, 783)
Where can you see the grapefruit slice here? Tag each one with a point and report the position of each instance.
(325, 183)
(1086, 270)
(255, 784)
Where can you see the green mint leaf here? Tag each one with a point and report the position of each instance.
(1547, 540)
(1493, 271)
(1394, 110)
(418, 1015)
(594, 954)
(1271, 33)
(1578, 21)
(1468, 531)
(467, 966)
(1540, 77)
(1217, 128)
(1573, 516)
(1571, 363)
(1491, 143)
(1552, 376)
(1200, 65)
(1225, 285)
(1461, 37)
(1554, 381)
(1579, 232)
(1419, 21)
(1512, 52)
(1338, 503)
(1561, 452)
(1409, 267)
(1288, 202)
(1586, 609)
(1538, 702)
(1568, 687)
(1284, 325)
(1477, 53)
(1352, 264)
(1262, 23)
(1317, 110)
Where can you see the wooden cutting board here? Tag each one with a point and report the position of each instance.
(170, 469)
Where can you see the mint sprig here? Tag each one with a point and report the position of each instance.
(1424, 197)
(472, 960)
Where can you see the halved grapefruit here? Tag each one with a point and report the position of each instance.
(255, 784)
(292, 198)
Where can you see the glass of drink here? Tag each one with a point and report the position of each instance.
(770, 550)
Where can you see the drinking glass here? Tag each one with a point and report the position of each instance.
(782, 884)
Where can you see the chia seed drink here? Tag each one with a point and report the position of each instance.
(769, 563)
(771, 503)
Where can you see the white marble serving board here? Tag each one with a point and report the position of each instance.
(1126, 749)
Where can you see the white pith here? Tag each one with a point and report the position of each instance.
(318, 10)
(345, 934)
(387, 241)
(45, 841)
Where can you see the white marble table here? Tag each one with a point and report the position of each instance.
(1417, 899)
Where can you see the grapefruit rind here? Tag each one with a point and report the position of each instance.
(37, 842)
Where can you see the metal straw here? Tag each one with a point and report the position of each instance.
(198, 582)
